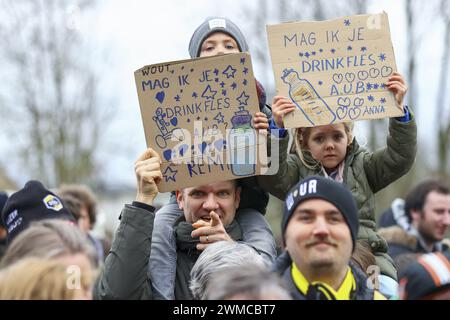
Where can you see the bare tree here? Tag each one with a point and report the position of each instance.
(443, 108)
(53, 93)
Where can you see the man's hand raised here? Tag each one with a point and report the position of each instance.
(148, 174)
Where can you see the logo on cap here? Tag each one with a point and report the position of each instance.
(52, 202)
(289, 201)
(217, 23)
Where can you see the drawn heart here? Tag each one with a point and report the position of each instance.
(350, 77)
(363, 75)
(174, 121)
(219, 144)
(358, 102)
(160, 96)
(341, 112)
(182, 150)
(167, 154)
(386, 71)
(344, 102)
(354, 113)
(337, 78)
(374, 72)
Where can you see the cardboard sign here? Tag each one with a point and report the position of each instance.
(334, 71)
(197, 115)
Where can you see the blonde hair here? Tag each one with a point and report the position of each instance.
(49, 239)
(301, 137)
(41, 279)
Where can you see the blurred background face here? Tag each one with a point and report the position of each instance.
(318, 238)
(83, 221)
(218, 43)
(220, 197)
(434, 219)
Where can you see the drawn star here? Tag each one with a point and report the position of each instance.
(375, 86)
(333, 50)
(245, 82)
(188, 120)
(216, 79)
(383, 86)
(224, 92)
(307, 54)
(177, 97)
(206, 118)
(369, 86)
(313, 53)
(182, 68)
(300, 54)
(320, 83)
(243, 98)
(209, 93)
(216, 72)
(219, 117)
(383, 100)
(320, 50)
(349, 48)
(169, 174)
(172, 71)
(347, 22)
(222, 84)
(198, 118)
(371, 98)
(229, 72)
(245, 71)
(192, 70)
(181, 90)
(363, 49)
(233, 85)
(242, 60)
(194, 95)
(382, 56)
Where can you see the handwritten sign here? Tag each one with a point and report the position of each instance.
(334, 71)
(197, 115)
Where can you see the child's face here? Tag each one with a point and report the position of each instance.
(218, 43)
(328, 144)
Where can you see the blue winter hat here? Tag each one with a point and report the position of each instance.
(211, 25)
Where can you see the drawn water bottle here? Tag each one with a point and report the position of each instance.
(303, 94)
(242, 144)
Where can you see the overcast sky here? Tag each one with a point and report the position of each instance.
(134, 33)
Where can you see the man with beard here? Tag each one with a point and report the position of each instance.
(427, 208)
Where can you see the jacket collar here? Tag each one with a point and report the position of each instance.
(322, 291)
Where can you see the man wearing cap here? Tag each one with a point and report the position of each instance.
(32, 203)
(319, 227)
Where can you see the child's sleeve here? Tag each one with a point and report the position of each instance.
(163, 257)
(388, 164)
(286, 167)
(256, 232)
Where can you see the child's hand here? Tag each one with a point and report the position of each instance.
(281, 106)
(397, 85)
(260, 121)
